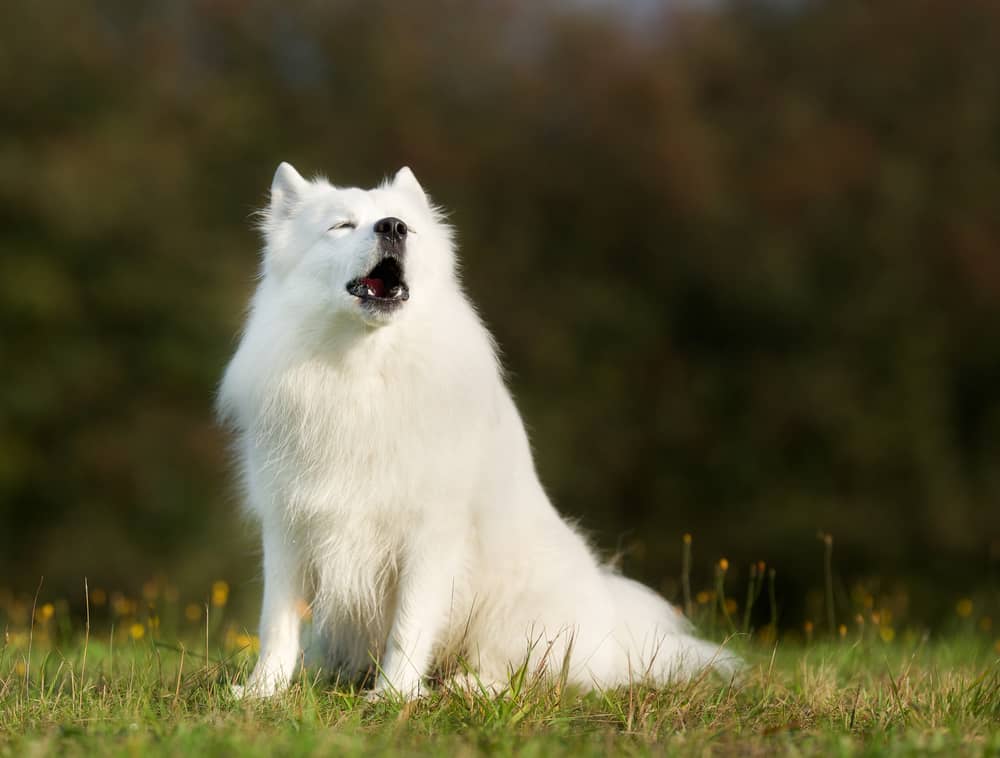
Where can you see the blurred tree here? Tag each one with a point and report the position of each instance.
(742, 260)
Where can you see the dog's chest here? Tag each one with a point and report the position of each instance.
(377, 443)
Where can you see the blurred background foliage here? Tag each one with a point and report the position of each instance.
(743, 260)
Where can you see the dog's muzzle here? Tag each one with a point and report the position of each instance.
(384, 287)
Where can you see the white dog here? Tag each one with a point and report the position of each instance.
(391, 474)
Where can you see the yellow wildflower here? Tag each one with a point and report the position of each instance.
(45, 612)
(247, 642)
(220, 593)
(137, 631)
(192, 612)
(887, 633)
(964, 607)
(122, 605)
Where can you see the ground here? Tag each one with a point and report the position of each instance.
(860, 696)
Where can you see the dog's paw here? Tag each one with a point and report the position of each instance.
(472, 684)
(407, 691)
(254, 691)
(376, 696)
(259, 686)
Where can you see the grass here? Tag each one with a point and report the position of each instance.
(151, 676)
(859, 697)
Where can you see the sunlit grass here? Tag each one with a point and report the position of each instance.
(830, 697)
(148, 671)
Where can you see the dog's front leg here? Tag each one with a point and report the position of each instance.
(429, 574)
(279, 619)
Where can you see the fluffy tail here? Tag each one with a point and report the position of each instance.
(656, 641)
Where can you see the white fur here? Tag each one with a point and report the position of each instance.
(392, 477)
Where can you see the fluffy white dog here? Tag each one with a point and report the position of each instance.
(391, 474)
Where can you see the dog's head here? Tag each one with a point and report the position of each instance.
(368, 254)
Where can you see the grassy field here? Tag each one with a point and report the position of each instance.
(149, 673)
(850, 697)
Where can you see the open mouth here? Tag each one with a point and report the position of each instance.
(383, 286)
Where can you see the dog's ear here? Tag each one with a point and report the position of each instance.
(287, 188)
(405, 181)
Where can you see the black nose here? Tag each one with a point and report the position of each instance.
(392, 228)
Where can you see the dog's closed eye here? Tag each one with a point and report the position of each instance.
(343, 225)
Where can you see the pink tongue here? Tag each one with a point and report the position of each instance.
(377, 286)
